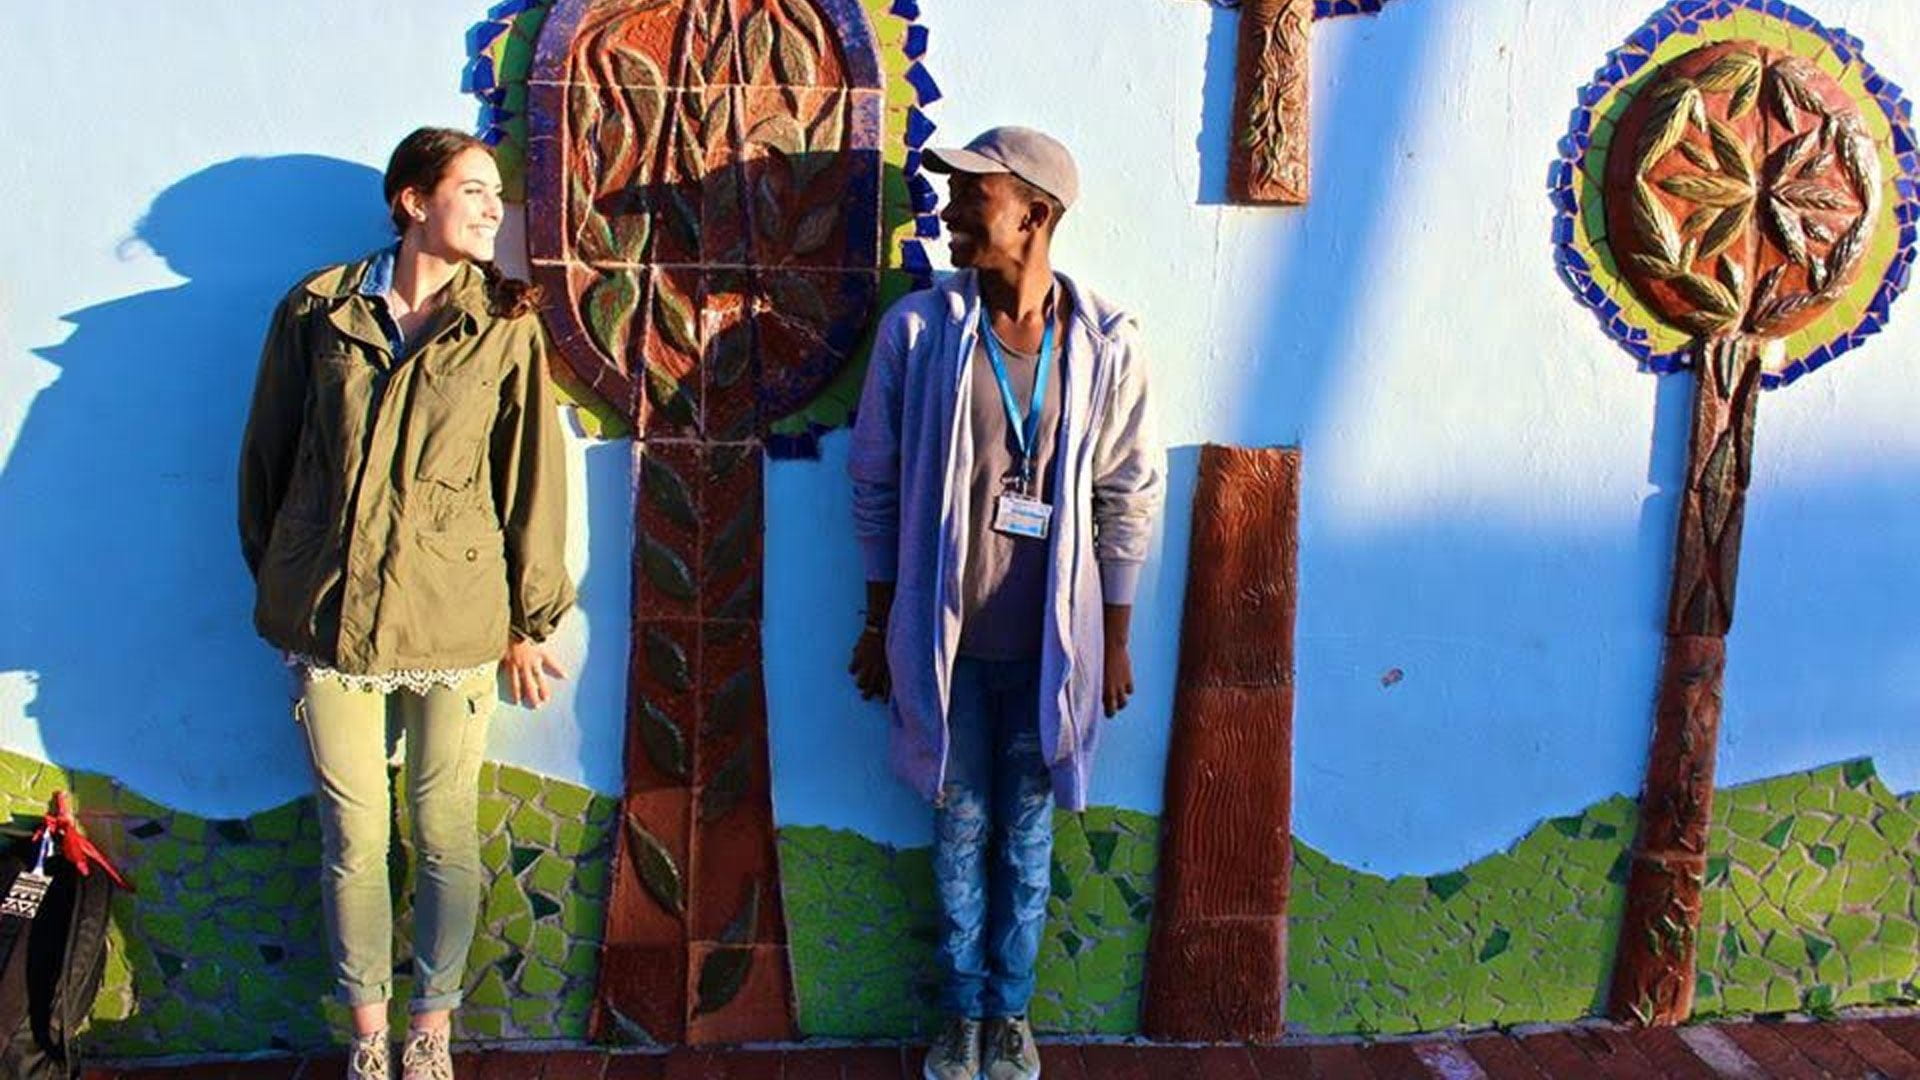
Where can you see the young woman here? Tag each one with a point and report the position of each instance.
(403, 511)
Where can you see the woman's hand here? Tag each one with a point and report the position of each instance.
(526, 666)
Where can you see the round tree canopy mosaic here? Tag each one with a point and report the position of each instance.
(704, 188)
(1738, 169)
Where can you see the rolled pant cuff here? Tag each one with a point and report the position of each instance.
(446, 1002)
(355, 996)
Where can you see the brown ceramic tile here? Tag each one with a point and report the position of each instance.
(1904, 1030)
(722, 1065)
(1557, 1056)
(1280, 1062)
(1219, 979)
(1818, 1044)
(811, 1065)
(1337, 1061)
(283, 1068)
(1779, 1060)
(760, 1006)
(1062, 1061)
(1613, 1053)
(1272, 166)
(99, 1072)
(330, 1066)
(667, 511)
(1866, 1041)
(735, 868)
(573, 1065)
(1669, 1054)
(880, 1063)
(1447, 1058)
(1113, 1061)
(467, 1064)
(503, 1064)
(642, 979)
(636, 1066)
(674, 345)
(665, 665)
(1395, 1061)
(806, 325)
(1501, 1058)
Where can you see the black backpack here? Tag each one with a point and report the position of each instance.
(51, 962)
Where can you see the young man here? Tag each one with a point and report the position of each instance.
(1006, 480)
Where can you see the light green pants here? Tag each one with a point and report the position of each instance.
(446, 736)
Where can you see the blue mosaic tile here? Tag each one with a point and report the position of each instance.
(919, 128)
(920, 190)
(927, 226)
(924, 88)
(913, 258)
(479, 75)
(906, 9)
(483, 35)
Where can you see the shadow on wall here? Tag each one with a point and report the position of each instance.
(127, 597)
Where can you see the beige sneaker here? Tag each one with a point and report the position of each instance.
(955, 1055)
(1011, 1054)
(367, 1057)
(426, 1056)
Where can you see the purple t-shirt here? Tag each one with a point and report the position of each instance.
(1003, 586)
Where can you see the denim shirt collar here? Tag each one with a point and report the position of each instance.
(379, 275)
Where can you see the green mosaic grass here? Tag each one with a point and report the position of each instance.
(1524, 935)
(1811, 905)
(222, 949)
(1811, 902)
(862, 919)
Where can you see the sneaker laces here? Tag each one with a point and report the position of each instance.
(367, 1058)
(427, 1055)
(956, 1043)
(1013, 1039)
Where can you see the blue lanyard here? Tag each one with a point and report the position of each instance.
(1026, 434)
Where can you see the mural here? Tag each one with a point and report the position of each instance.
(1806, 881)
(1739, 192)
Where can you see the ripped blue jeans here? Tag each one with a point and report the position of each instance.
(993, 839)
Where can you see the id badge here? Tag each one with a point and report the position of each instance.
(1017, 515)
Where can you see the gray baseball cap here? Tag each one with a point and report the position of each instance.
(1033, 156)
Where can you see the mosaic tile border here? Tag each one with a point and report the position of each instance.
(1621, 66)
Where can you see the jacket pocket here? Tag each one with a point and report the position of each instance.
(285, 601)
(456, 598)
(455, 408)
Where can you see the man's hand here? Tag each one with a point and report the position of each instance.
(1116, 684)
(869, 665)
(526, 666)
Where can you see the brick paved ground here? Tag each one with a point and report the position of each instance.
(1884, 1045)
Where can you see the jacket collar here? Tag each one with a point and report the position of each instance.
(350, 289)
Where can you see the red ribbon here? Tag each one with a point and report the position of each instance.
(60, 824)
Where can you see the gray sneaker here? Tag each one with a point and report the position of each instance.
(426, 1056)
(1011, 1054)
(367, 1057)
(955, 1055)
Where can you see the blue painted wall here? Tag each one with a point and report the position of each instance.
(1488, 505)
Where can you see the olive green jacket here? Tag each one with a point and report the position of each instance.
(402, 515)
